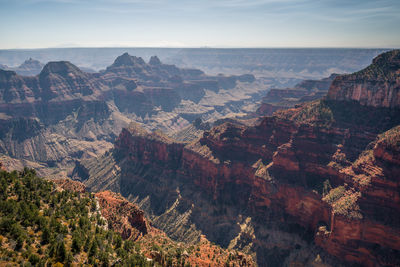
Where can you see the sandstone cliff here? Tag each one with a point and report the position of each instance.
(317, 180)
(378, 85)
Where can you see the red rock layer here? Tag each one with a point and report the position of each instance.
(125, 217)
(306, 175)
(70, 185)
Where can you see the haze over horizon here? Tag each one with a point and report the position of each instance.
(179, 23)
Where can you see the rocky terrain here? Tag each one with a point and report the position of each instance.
(128, 220)
(311, 185)
(316, 184)
(62, 224)
(64, 114)
(305, 91)
(377, 85)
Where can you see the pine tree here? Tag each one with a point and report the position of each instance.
(76, 244)
(93, 249)
(46, 235)
(61, 252)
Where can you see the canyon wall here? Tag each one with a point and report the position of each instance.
(317, 183)
(378, 85)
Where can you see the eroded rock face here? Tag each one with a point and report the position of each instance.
(40, 113)
(278, 95)
(17, 89)
(162, 84)
(378, 85)
(373, 236)
(324, 173)
(65, 80)
(125, 218)
(70, 185)
(215, 184)
(305, 91)
(29, 67)
(128, 219)
(295, 173)
(327, 171)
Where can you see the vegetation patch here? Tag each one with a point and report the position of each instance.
(391, 138)
(43, 226)
(344, 202)
(316, 113)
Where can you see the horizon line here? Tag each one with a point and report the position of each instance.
(200, 47)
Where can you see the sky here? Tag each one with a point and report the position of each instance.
(199, 23)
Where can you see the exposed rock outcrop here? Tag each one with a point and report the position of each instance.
(124, 217)
(63, 80)
(170, 83)
(305, 91)
(306, 162)
(70, 185)
(127, 219)
(326, 172)
(377, 85)
(39, 113)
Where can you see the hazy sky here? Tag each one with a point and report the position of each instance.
(187, 23)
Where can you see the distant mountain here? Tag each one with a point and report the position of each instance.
(294, 64)
(30, 67)
(284, 98)
(40, 113)
(64, 80)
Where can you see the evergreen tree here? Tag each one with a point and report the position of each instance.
(93, 249)
(46, 235)
(76, 244)
(61, 252)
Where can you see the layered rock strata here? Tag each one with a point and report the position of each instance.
(321, 175)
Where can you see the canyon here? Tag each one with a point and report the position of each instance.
(316, 184)
(128, 220)
(307, 177)
(64, 114)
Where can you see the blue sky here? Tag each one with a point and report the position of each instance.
(187, 23)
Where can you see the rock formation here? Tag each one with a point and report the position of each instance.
(377, 85)
(315, 183)
(124, 217)
(127, 219)
(64, 114)
(29, 67)
(305, 91)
